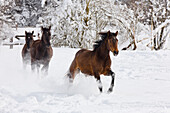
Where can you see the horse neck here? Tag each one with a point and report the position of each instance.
(42, 41)
(42, 45)
(30, 43)
(102, 51)
(27, 45)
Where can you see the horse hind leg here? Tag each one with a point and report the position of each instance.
(97, 76)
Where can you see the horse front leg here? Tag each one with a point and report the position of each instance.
(38, 67)
(45, 67)
(24, 63)
(99, 82)
(112, 74)
(33, 65)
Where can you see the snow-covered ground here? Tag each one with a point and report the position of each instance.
(142, 85)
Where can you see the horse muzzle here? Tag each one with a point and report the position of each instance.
(28, 47)
(48, 45)
(115, 53)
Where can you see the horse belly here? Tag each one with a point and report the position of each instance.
(86, 69)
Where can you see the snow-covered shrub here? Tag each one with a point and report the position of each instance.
(5, 23)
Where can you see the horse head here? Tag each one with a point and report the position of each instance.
(112, 42)
(46, 36)
(29, 39)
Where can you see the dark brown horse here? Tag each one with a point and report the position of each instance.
(98, 61)
(41, 51)
(26, 49)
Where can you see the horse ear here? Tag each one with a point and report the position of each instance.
(32, 32)
(50, 28)
(108, 33)
(116, 33)
(25, 32)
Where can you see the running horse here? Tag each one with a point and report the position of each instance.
(41, 51)
(26, 49)
(96, 62)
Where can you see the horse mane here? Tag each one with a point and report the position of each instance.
(99, 42)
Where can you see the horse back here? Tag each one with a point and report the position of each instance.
(89, 62)
(36, 43)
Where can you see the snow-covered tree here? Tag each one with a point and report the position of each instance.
(26, 12)
(154, 17)
(159, 22)
(5, 20)
(76, 23)
(80, 22)
(73, 27)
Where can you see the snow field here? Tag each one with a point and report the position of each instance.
(141, 86)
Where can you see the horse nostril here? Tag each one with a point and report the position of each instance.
(116, 52)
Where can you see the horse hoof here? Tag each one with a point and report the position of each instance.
(109, 90)
(100, 89)
(70, 80)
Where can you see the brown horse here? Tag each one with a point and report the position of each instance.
(26, 49)
(41, 51)
(98, 61)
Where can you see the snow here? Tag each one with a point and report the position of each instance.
(142, 85)
(42, 3)
(167, 43)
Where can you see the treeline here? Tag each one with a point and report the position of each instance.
(76, 23)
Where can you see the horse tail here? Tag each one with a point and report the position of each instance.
(73, 70)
